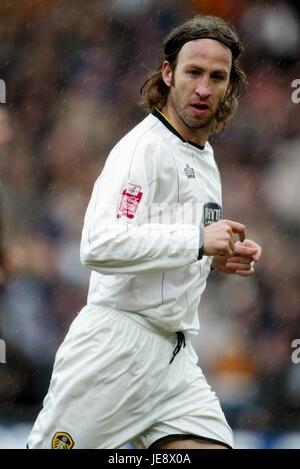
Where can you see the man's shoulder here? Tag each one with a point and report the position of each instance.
(145, 135)
(144, 132)
(209, 148)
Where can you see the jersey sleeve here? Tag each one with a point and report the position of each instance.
(118, 236)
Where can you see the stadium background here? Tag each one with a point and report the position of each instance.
(73, 72)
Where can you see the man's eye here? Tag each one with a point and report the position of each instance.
(218, 77)
(194, 72)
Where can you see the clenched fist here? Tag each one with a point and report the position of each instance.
(219, 239)
(238, 263)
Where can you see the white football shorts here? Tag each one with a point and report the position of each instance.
(113, 383)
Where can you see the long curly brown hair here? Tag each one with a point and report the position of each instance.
(154, 92)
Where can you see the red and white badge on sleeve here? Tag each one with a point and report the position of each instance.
(131, 197)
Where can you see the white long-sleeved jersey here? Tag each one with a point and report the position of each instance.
(141, 229)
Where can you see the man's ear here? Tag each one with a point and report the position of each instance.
(166, 73)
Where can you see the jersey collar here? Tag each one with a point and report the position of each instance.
(157, 113)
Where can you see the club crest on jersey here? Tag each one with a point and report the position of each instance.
(131, 197)
(62, 440)
(189, 172)
(212, 213)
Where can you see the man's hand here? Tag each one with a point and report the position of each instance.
(219, 239)
(239, 263)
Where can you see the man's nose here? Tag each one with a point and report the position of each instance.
(203, 90)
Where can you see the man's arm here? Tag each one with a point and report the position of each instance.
(117, 235)
(117, 238)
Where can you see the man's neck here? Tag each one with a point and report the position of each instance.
(198, 136)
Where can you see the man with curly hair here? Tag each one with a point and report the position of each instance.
(153, 230)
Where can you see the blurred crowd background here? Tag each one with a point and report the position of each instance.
(73, 72)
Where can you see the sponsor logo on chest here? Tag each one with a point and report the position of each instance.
(212, 213)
